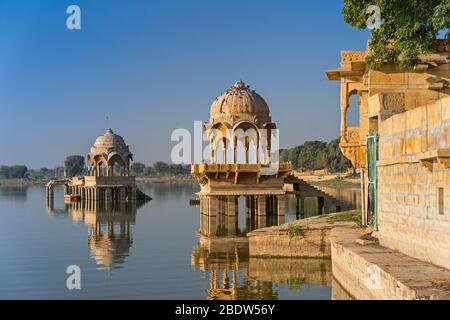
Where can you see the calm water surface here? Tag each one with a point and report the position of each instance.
(163, 249)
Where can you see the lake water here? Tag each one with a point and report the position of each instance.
(163, 249)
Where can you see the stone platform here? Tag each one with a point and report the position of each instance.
(312, 242)
(367, 270)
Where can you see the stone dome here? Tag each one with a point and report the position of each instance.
(240, 103)
(108, 144)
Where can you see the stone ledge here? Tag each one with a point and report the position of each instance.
(313, 242)
(371, 271)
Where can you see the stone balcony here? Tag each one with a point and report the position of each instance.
(204, 168)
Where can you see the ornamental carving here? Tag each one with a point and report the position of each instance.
(349, 56)
(393, 102)
(352, 135)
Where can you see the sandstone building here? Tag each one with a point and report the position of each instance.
(402, 147)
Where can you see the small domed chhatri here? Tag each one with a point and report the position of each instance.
(108, 176)
(110, 149)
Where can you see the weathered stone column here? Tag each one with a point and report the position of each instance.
(302, 207)
(231, 225)
(107, 194)
(247, 206)
(344, 107)
(133, 193)
(231, 206)
(261, 221)
(261, 205)
(212, 206)
(224, 150)
(281, 205)
(122, 194)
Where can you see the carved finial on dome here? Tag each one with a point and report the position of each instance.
(240, 85)
(109, 131)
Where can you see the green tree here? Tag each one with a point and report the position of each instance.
(74, 165)
(409, 28)
(336, 162)
(138, 169)
(13, 172)
(161, 168)
(307, 158)
(149, 171)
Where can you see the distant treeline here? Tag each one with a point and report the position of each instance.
(312, 155)
(22, 172)
(159, 168)
(315, 155)
(74, 165)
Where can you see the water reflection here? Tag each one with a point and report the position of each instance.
(162, 258)
(14, 192)
(223, 253)
(110, 229)
(350, 198)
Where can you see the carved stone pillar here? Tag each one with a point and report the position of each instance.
(261, 205)
(281, 205)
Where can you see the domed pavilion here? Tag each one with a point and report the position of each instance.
(109, 152)
(108, 172)
(241, 162)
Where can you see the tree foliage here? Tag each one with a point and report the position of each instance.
(74, 165)
(313, 155)
(138, 169)
(409, 28)
(13, 172)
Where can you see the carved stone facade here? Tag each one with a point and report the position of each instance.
(409, 112)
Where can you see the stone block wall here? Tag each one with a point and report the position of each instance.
(408, 203)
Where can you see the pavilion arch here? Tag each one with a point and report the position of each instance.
(220, 143)
(246, 138)
(348, 89)
(100, 165)
(265, 142)
(115, 159)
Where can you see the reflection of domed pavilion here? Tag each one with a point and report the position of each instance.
(109, 228)
(223, 254)
(242, 161)
(108, 171)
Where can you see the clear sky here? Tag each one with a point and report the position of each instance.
(154, 66)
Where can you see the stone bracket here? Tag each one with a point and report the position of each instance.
(440, 156)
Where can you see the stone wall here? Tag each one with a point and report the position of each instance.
(409, 178)
(312, 242)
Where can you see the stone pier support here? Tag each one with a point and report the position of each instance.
(108, 195)
(248, 208)
(261, 205)
(133, 193)
(231, 206)
(261, 221)
(232, 225)
(212, 206)
(281, 205)
(122, 194)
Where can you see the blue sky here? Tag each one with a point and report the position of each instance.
(154, 66)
